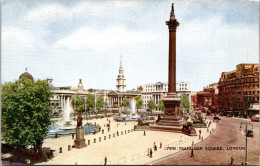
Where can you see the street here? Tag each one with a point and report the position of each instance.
(229, 138)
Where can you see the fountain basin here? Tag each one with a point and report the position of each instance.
(61, 131)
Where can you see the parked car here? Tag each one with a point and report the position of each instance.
(250, 133)
(216, 118)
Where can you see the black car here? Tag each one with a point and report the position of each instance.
(250, 133)
(216, 118)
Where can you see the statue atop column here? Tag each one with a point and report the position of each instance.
(79, 121)
(79, 142)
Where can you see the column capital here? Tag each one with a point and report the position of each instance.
(172, 25)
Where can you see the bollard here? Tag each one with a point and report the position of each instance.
(121, 132)
(99, 139)
(102, 131)
(128, 131)
(104, 137)
(69, 148)
(117, 133)
(60, 149)
(94, 140)
(56, 135)
(114, 135)
(109, 136)
(125, 131)
(88, 142)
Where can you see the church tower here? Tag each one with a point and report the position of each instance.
(121, 81)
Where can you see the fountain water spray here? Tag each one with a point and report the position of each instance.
(133, 107)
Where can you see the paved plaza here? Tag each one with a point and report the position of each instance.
(129, 148)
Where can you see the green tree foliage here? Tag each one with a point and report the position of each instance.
(91, 101)
(151, 104)
(25, 112)
(139, 102)
(185, 103)
(100, 102)
(161, 105)
(125, 102)
(78, 103)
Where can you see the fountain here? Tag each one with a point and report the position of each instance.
(67, 126)
(133, 114)
(66, 122)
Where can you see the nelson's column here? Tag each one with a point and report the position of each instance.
(171, 120)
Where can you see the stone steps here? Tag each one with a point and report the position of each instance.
(170, 123)
(171, 118)
(177, 129)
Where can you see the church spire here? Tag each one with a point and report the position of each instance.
(121, 61)
(121, 81)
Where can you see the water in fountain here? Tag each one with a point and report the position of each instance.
(133, 114)
(66, 122)
(133, 107)
(66, 112)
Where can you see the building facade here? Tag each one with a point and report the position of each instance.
(157, 91)
(60, 95)
(239, 90)
(206, 98)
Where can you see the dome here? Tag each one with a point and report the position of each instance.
(26, 75)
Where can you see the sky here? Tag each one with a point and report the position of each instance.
(68, 40)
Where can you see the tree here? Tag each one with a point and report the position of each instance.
(77, 103)
(100, 102)
(125, 102)
(185, 103)
(91, 101)
(151, 104)
(161, 105)
(25, 112)
(139, 102)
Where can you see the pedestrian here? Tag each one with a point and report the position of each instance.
(202, 138)
(232, 160)
(105, 160)
(192, 154)
(199, 136)
(153, 144)
(200, 131)
(242, 163)
(160, 145)
(155, 148)
(144, 132)
(151, 152)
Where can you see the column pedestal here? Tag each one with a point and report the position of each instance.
(79, 142)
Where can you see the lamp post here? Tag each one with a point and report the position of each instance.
(241, 124)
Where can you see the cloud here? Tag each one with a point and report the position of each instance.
(111, 36)
(17, 35)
